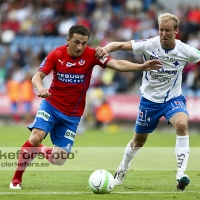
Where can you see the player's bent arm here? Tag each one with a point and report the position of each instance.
(115, 46)
(37, 80)
(37, 84)
(126, 66)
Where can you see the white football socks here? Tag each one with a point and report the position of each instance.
(182, 152)
(129, 154)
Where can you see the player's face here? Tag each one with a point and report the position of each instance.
(77, 44)
(167, 34)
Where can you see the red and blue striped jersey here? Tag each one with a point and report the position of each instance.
(71, 78)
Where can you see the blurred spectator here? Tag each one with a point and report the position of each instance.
(134, 5)
(65, 24)
(13, 91)
(123, 81)
(147, 4)
(9, 22)
(131, 21)
(104, 115)
(26, 98)
(2, 75)
(108, 86)
(95, 97)
(193, 17)
(193, 40)
(193, 82)
(26, 26)
(81, 19)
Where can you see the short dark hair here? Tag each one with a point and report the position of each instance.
(79, 29)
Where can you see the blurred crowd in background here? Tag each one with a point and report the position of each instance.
(30, 29)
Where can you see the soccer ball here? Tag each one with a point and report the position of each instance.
(101, 182)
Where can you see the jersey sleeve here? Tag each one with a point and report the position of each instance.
(48, 63)
(103, 61)
(139, 46)
(194, 55)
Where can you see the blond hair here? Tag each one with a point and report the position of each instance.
(167, 17)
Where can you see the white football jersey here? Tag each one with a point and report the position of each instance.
(162, 85)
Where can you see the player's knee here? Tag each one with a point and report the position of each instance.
(35, 141)
(59, 157)
(139, 140)
(181, 128)
(137, 143)
(59, 161)
(36, 137)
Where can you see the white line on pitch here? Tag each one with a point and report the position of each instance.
(142, 192)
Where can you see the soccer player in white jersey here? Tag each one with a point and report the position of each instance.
(161, 93)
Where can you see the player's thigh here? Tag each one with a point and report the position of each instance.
(178, 118)
(62, 136)
(63, 133)
(176, 113)
(42, 124)
(175, 106)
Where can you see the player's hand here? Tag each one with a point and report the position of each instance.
(43, 93)
(100, 53)
(152, 65)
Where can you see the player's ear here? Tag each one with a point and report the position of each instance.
(176, 31)
(67, 39)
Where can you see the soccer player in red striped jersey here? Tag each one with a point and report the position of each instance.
(63, 105)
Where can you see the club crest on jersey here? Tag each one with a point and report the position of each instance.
(176, 63)
(81, 62)
(70, 64)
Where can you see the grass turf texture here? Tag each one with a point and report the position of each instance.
(72, 184)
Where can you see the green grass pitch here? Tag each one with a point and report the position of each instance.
(151, 175)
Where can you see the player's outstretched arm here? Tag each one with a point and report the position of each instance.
(115, 46)
(37, 84)
(111, 47)
(126, 66)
